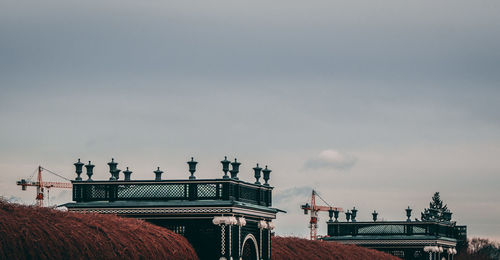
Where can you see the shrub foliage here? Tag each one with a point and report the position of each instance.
(287, 248)
(42, 233)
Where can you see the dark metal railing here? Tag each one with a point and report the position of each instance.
(215, 189)
(398, 228)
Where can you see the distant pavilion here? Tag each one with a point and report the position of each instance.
(224, 218)
(434, 236)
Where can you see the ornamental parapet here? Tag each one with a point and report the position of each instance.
(192, 189)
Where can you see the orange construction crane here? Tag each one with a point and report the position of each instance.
(41, 185)
(313, 223)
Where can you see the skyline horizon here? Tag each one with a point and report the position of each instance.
(64, 196)
(376, 104)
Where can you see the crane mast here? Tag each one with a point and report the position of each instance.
(314, 209)
(39, 188)
(41, 185)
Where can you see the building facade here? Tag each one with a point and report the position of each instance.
(428, 238)
(224, 218)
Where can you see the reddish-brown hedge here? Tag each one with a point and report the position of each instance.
(288, 248)
(42, 233)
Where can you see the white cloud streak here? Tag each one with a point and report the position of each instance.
(332, 159)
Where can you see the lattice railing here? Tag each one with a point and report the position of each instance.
(207, 190)
(389, 228)
(172, 190)
(152, 191)
(248, 194)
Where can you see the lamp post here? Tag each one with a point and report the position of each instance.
(223, 222)
(270, 226)
(434, 251)
(451, 252)
(241, 223)
(428, 249)
(261, 225)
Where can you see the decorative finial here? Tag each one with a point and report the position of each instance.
(336, 214)
(235, 170)
(158, 173)
(78, 169)
(257, 171)
(192, 168)
(112, 170)
(225, 167)
(266, 172)
(127, 174)
(354, 212)
(408, 214)
(90, 170)
(116, 174)
(330, 214)
(348, 215)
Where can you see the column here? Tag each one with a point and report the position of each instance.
(241, 222)
(270, 226)
(223, 222)
(261, 225)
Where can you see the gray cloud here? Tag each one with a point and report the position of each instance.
(152, 83)
(288, 194)
(13, 199)
(332, 159)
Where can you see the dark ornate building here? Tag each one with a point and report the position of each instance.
(224, 218)
(434, 236)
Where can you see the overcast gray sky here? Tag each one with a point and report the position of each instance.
(376, 104)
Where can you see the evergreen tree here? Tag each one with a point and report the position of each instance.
(436, 210)
(437, 203)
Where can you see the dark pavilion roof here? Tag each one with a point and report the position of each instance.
(168, 203)
(390, 237)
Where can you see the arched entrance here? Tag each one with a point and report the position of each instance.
(249, 249)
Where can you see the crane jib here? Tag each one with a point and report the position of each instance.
(41, 185)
